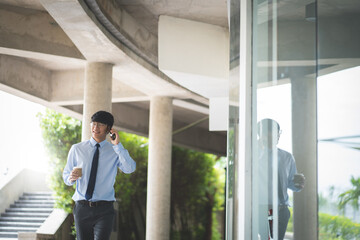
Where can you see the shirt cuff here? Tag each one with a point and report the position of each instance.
(69, 182)
(118, 148)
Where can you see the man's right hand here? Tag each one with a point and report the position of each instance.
(74, 175)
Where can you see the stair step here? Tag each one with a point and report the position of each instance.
(22, 219)
(26, 214)
(30, 210)
(23, 214)
(18, 229)
(37, 194)
(8, 235)
(31, 205)
(35, 202)
(44, 198)
(20, 224)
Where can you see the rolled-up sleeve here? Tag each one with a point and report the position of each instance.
(292, 172)
(126, 163)
(69, 166)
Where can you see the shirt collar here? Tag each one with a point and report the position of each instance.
(93, 142)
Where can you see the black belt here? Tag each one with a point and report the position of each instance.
(279, 206)
(94, 204)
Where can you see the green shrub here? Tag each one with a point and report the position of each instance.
(337, 227)
(334, 227)
(197, 187)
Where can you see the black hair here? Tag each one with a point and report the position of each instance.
(103, 117)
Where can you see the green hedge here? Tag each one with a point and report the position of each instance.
(337, 227)
(333, 227)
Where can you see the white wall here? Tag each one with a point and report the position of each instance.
(25, 180)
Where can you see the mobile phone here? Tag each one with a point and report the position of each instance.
(112, 136)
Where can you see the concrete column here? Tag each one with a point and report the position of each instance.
(97, 92)
(159, 169)
(304, 140)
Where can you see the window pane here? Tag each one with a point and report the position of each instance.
(284, 119)
(338, 118)
(233, 118)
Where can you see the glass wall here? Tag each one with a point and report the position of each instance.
(305, 115)
(284, 107)
(283, 116)
(338, 119)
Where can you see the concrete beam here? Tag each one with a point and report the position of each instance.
(335, 33)
(36, 31)
(191, 106)
(25, 76)
(25, 79)
(67, 88)
(297, 48)
(133, 74)
(41, 101)
(57, 87)
(200, 139)
(133, 119)
(296, 39)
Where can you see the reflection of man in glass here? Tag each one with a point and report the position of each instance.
(269, 134)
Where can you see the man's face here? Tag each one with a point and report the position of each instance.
(98, 131)
(269, 138)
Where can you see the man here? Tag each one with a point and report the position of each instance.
(287, 177)
(94, 195)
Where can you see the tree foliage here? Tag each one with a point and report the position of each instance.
(197, 188)
(59, 133)
(196, 193)
(351, 196)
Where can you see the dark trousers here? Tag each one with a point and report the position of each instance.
(93, 222)
(284, 216)
(263, 222)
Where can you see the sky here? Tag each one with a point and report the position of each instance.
(338, 115)
(21, 142)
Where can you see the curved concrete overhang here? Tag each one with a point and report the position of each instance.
(134, 38)
(43, 53)
(81, 22)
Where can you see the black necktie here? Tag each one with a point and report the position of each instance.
(94, 166)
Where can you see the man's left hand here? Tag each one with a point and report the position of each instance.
(116, 140)
(299, 180)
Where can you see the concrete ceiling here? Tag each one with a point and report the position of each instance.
(45, 44)
(147, 12)
(32, 4)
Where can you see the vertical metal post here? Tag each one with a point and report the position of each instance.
(243, 167)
